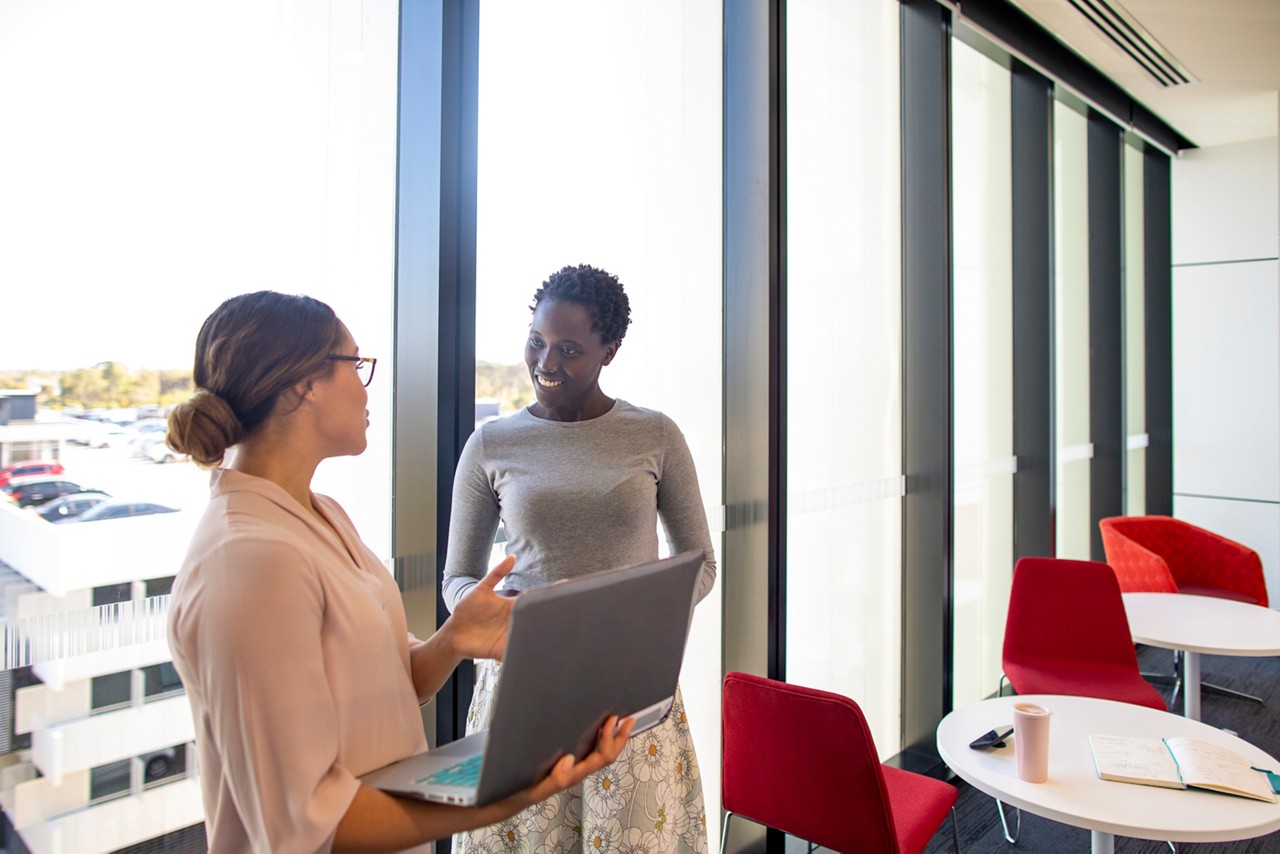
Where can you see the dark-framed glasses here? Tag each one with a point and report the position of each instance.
(365, 365)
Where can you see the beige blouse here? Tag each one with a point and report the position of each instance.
(292, 644)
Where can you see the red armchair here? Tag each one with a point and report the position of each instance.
(1160, 554)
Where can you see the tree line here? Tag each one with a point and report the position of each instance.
(111, 385)
(106, 385)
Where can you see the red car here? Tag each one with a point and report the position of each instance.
(30, 467)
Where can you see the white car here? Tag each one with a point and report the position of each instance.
(153, 448)
(100, 434)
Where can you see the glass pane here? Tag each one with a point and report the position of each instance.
(161, 679)
(111, 690)
(844, 477)
(982, 378)
(600, 143)
(111, 779)
(1071, 332)
(261, 155)
(1135, 365)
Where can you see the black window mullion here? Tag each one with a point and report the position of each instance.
(434, 382)
(1031, 122)
(1106, 331)
(1158, 332)
(927, 538)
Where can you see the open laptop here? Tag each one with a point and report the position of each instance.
(577, 651)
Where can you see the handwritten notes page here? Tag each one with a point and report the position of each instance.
(1177, 763)
(1135, 760)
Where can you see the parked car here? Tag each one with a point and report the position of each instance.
(70, 505)
(99, 434)
(37, 489)
(157, 451)
(118, 508)
(145, 433)
(29, 468)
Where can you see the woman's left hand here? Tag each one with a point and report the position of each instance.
(479, 623)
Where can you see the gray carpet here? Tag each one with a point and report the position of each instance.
(1260, 725)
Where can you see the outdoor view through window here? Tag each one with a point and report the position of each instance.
(170, 156)
(174, 155)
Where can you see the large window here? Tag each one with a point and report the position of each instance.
(844, 403)
(982, 371)
(600, 143)
(170, 156)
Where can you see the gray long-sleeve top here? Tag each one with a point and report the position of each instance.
(576, 497)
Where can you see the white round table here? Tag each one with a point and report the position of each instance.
(1073, 793)
(1201, 624)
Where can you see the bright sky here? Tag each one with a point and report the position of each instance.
(160, 157)
(173, 154)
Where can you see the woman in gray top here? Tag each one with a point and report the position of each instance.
(580, 481)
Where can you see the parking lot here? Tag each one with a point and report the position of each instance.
(177, 484)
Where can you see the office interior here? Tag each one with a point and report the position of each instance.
(929, 287)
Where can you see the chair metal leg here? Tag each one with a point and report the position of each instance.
(1012, 839)
(955, 829)
(1174, 678)
(724, 831)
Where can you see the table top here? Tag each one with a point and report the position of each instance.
(1073, 793)
(1202, 624)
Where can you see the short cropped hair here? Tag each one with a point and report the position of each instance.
(599, 292)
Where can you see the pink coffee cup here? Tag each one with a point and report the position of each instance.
(1031, 741)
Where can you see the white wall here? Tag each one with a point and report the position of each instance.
(1226, 345)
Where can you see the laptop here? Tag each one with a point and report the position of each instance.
(610, 643)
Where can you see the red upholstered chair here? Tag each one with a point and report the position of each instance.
(1160, 554)
(802, 761)
(1067, 633)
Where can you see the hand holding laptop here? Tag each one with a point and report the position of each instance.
(610, 740)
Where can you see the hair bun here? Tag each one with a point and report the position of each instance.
(203, 427)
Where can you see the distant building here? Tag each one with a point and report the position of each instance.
(22, 437)
(97, 728)
(17, 406)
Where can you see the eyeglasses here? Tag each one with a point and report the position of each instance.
(364, 366)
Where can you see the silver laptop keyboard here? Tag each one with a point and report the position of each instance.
(465, 773)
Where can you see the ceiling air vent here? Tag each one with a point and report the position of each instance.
(1127, 34)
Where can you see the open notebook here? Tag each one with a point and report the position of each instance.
(577, 651)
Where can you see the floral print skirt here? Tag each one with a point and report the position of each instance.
(649, 801)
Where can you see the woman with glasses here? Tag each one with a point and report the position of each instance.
(579, 481)
(288, 632)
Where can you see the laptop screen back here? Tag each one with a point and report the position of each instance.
(611, 643)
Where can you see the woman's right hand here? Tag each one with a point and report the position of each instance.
(478, 626)
(565, 773)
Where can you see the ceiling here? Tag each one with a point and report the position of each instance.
(1229, 48)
